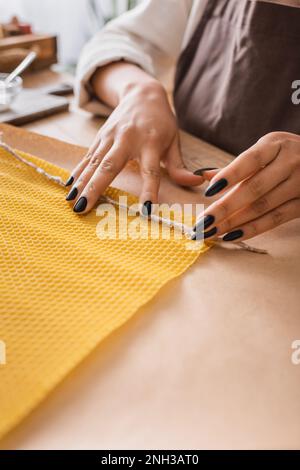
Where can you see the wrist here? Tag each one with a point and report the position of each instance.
(149, 87)
(113, 82)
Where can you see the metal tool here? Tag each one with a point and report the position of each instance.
(21, 67)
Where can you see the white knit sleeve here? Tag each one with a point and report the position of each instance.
(150, 36)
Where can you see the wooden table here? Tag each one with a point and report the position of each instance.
(207, 364)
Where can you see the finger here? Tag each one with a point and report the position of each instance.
(208, 175)
(246, 193)
(85, 161)
(247, 164)
(177, 169)
(287, 211)
(275, 198)
(78, 169)
(81, 179)
(110, 166)
(150, 171)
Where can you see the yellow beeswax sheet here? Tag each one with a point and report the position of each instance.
(62, 289)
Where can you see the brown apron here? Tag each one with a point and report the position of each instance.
(234, 79)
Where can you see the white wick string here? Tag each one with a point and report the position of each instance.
(187, 231)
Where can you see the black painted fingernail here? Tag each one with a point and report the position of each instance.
(147, 208)
(216, 187)
(204, 223)
(202, 170)
(72, 194)
(231, 236)
(70, 181)
(203, 235)
(81, 205)
(210, 233)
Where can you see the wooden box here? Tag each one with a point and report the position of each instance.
(14, 49)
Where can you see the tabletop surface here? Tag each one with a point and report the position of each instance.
(206, 364)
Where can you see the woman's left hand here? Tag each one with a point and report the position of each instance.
(262, 190)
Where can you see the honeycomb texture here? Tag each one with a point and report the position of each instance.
(62, 289)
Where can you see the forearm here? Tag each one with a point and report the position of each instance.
(113, 81)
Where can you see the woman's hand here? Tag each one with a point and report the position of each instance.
(262, 190)
(141, 127)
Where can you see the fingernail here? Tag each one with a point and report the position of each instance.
(70, 181)
(147, 208)
(231, 236)
(81, 205)
(72, 194)
(210, 233)
(204, 223)
(204, 235)
(202, 170)
(216, 187)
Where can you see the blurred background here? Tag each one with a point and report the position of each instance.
(73, 21)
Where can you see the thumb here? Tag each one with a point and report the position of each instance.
(208, 173)
(177, 169)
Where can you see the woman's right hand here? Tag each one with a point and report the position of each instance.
(141, 127)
